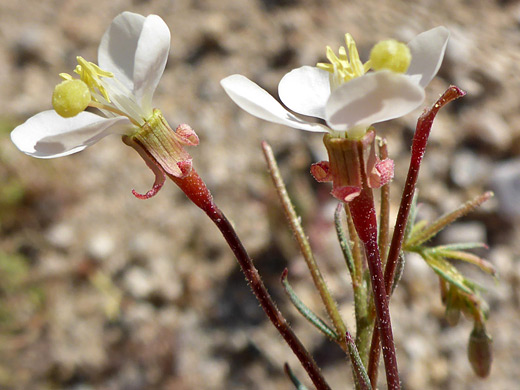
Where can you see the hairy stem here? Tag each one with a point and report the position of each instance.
(364, 216)
(420, 139)
(305, 247)
(196, 190)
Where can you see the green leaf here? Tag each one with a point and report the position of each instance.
(447, 271)
(296, 382)
(306, 312)
(484, 265)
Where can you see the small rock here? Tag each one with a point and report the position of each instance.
(488, 127)
(61, 235)
(506, 184)
(138, 283)
(468, 168)
(101, 246)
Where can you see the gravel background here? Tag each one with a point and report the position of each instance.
(99, 290)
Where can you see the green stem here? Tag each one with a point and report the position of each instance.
(294, 221)
(363, 323)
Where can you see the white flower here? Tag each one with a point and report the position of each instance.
(343, 93)
(132, 56)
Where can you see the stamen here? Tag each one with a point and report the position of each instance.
(91, 75)
(101, 106)
(346, 65)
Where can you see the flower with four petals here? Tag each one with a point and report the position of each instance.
(132, 56)
(345, 94)
(349, 96)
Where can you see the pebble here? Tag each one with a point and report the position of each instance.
(468, 168)
(488, 127)
(505, 181)
(101, 245)
(61, 235)
(138, 283)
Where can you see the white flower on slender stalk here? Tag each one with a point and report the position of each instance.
(347, 94)
(132, 56)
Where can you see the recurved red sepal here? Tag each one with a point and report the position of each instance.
(160, 176)
(321, 171)
(381, 173)
(187, 135)
(345, 193)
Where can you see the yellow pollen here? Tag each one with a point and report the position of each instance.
(91, 75)
(346, 66)
(391, 55)
(71, 97)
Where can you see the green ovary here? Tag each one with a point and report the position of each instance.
(71, 97)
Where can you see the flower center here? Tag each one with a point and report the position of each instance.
(390, 54)
(91, 75)
(344, 67)
(73, 95)
(111, 97)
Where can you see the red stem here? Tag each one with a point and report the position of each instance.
(195, 188)
(364, 216)
(420, 139)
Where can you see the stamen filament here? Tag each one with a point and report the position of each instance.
(114, 110)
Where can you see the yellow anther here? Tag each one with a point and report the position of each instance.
(90, 74)
(71, 97)
(65, 76)
(346, 65)
(391, 55)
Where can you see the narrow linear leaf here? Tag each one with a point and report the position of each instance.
(447, 271)
(410, 223)
(439, 224)
(344, 241)
(398, 271)
(305, 311)
(414, 231)
(296, 382)
(361, 374)
(484, 265)
(462, 246)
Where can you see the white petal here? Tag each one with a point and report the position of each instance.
(116, 52)
(306, 90)
(136, 49)
(427, 51)
(48, 135)
(372, 98)
(256, 101)
(150, 59)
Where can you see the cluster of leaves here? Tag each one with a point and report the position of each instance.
(459, 294)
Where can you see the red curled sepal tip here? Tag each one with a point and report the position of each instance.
(160, 176)
(351, 161)
(187, 135)
(321, 171)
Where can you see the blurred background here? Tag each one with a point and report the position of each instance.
(100, 290)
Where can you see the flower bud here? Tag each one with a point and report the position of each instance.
(71, 97)
(391, 55)
(480, 352)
